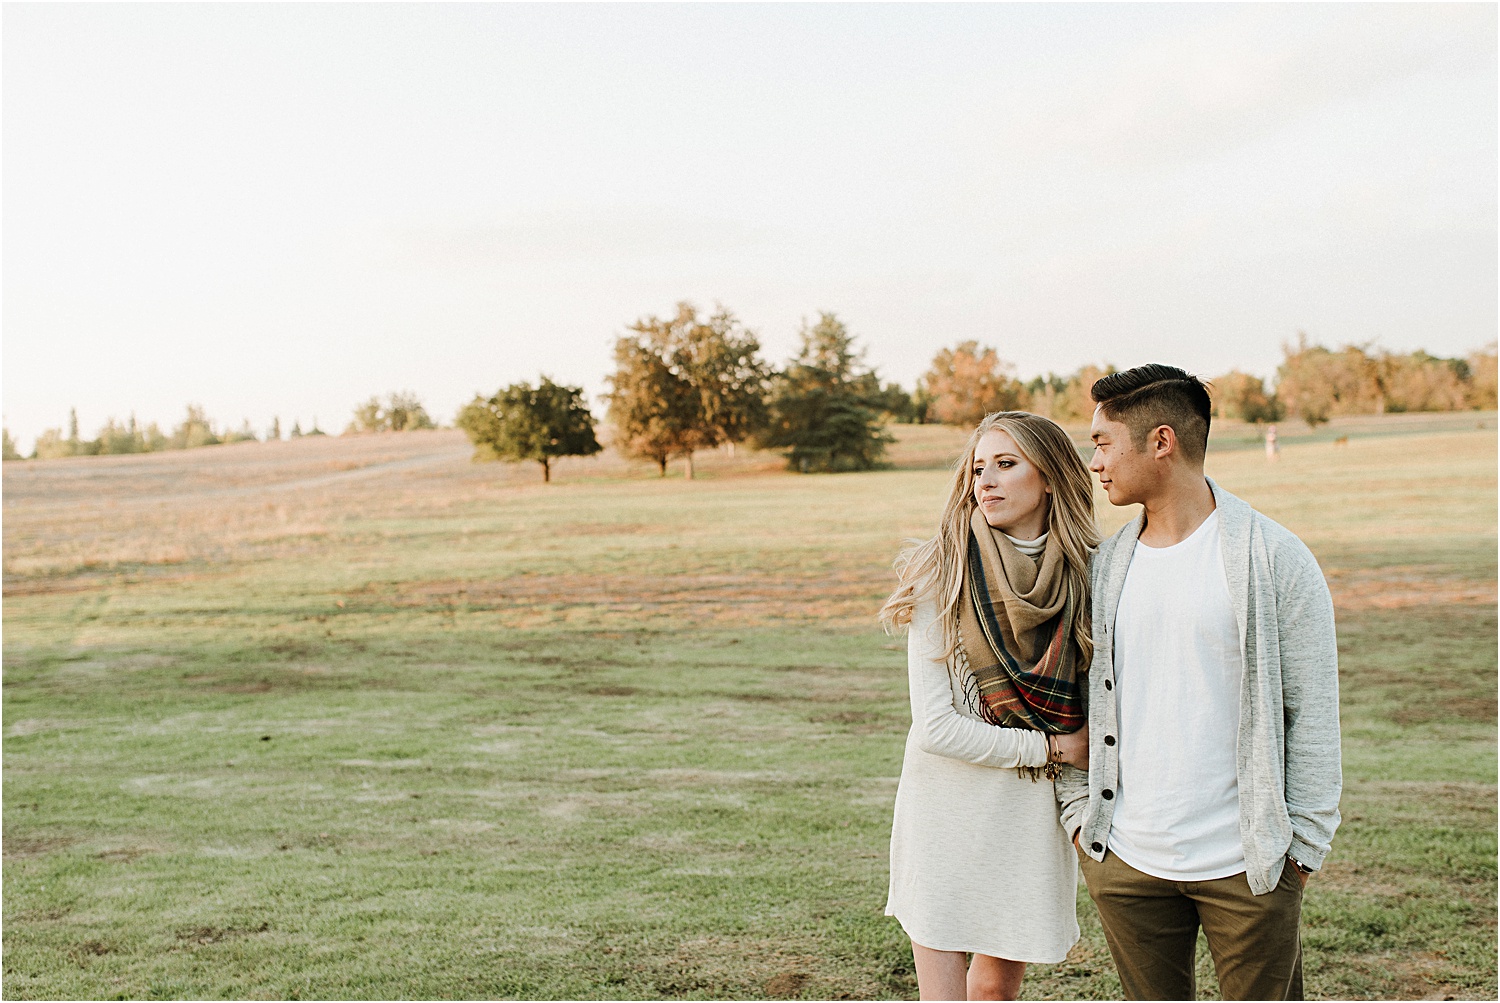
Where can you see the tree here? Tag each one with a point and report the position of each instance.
(1316, 384)
(368, 417)
(1066, 398)
(273, 434)
(196, 430)
(655, 413)
(720, 359)
(10, 447)
(1043, 392)
(921, 405)
(1482, 389)
(152, 439)
(296, 432)
(242, 434)
(405, 413)
(893, 403)
(969, 381)
(682, 384)
(115, 438)
(50, 445)
(1422, 382)
(522, 422)
(820, 407)
(1240, 395)
(400, 412)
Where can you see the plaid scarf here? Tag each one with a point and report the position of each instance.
(1015, 626)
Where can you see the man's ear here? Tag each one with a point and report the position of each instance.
(1162, 442)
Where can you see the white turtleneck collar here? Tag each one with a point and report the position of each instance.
(1030, 548)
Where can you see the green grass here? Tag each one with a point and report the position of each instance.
(427, 731)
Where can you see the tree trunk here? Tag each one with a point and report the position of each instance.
(730, 444)
(661, 461)
(546, 470)
(689, 466)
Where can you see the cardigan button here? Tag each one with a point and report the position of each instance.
(1107, 795)
(1109, 740)
(1108, 684)
(1096, 847)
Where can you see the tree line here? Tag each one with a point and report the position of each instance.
(399, 411)
(1316, 383)
(687, 382)
(117, 437)
(1313, 383)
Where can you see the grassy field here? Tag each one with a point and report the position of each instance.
(360, 719)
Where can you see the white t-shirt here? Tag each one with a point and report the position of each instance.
(1177, 693)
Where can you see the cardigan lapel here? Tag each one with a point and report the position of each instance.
(1235, 517)
(1115, 571)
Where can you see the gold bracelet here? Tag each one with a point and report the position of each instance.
(1053, 769)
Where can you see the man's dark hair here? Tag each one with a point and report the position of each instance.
(1147, 397)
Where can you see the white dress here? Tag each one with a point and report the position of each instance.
(979, 861)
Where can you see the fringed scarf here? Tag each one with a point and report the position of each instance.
(1015, 625)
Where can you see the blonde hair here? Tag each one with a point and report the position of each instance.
(935, 568)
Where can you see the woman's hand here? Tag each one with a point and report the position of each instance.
(1072, 748)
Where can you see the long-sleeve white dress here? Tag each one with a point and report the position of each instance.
(979, 862)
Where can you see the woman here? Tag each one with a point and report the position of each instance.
(996, 606)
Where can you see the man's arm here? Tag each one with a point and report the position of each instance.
(1072, 788)
(1310, 707)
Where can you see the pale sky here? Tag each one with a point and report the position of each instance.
(282, 209)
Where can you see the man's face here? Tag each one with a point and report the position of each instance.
(1125, 472)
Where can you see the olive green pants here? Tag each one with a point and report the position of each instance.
(1152, 928)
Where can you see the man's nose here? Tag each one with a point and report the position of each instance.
(1096, 462)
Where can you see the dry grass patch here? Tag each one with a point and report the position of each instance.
(1406, 586)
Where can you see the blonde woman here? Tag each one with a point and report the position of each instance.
(997, 615)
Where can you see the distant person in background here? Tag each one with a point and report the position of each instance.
(1214, 779)
(996, 609)
(1272, 449)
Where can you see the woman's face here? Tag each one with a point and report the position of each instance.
(1009, 490)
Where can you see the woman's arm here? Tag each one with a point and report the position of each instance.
(942, 730)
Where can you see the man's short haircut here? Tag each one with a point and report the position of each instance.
(1147, 397)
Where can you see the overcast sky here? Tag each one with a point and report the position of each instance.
(282, 209)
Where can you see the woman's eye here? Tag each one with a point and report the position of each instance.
(1007, 464)
(978, 471)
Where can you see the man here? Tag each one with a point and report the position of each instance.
(1213, 785)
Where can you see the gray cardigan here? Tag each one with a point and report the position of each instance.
(1288, 745)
